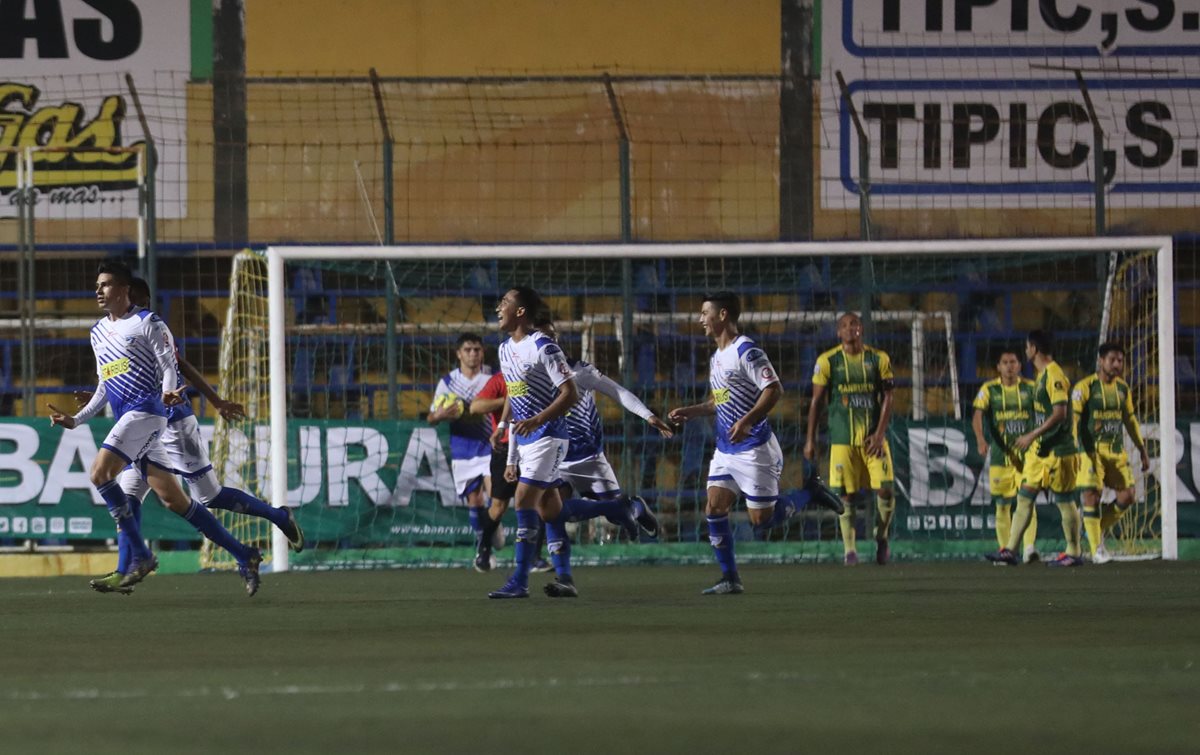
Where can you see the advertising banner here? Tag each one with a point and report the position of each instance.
(63, 93)
(971, 104)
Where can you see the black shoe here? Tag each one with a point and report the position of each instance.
(138, 571)
(822, 496)
(291, 530)
(646, 518)
(1004, 556)
(484, 560)
(249, 572)
(511, 590)
(561, 587)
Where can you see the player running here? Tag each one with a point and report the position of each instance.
(470, 452)
(135, 367)
(860, 384)
(748, 459)
(1051, 460)
(1003, 413)
(541, 390)
(1103, 406)
(188, 453)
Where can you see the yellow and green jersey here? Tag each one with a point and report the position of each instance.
(1101, 412)
(1051, 391)
(856, 383)
(1009, 411)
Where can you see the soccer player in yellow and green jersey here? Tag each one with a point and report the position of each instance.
(1051, 461)
(1003, 413)
(860, 384)
(1103, 408)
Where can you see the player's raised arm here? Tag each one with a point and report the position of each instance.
(591, 379)
(230, 410)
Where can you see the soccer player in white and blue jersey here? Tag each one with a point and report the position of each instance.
(188, 453)
(135, 364)
(470, 449)
(541, 390)
(748, 459)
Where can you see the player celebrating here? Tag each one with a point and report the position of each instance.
(748, 459)
(135, 364)
(1004, 412)
(470, 452)
(491, 401)
(541, 390)
(1050, 461)
(861, 384)
(186, 449)
(1103, 406)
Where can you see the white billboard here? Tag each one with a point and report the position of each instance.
(63, 90)
(977, 103)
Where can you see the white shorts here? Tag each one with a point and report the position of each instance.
(591, 478)
(469, 471)
(137, 438)
(754, 473)
(185, 446)
(539, 462)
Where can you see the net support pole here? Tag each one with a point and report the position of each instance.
(277, 357)
(389, 238)
(626, 210)
(28, 302)
(1166, 401)
(146, 194)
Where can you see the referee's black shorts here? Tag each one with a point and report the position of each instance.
(502, 489)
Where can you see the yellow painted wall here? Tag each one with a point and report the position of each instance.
(473, 37)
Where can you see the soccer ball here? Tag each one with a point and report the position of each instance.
(447, 400)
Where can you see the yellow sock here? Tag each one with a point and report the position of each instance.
(1111, 515)
(1071, 527)
(846, 523)
(1020, 521)
(1091, 525)
(885, 508)
(1003, 520)
(1031, 530)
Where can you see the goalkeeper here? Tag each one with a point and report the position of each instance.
(1004, 412)
(1103, 406)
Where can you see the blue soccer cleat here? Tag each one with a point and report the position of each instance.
(291, 530)
(138, 571)
(510, 591)
(644, 516)
(1004, 556)
(1064, 561)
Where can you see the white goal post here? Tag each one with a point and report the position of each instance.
(278, 256)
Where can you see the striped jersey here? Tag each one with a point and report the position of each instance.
(856, 384)
(737, 375)
(534, 368)
(1101, 412)
(1008, 410)
(584, 428)
(1051, 390)
(469, 433)
(135, 362)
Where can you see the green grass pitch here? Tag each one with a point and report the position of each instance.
(936, 657)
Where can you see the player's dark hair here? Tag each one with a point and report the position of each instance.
(1042, 341)
(466, 338)
(118, 270)
(728, 301)
(1109, 347)
(1001, 351)
(537, 311)
(139, 290)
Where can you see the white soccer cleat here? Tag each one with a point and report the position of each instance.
(1031, 555)
(1102, 556)
(499, 537)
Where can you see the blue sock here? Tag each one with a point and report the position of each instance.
(124, 547)
(122, 513)
(525, 547)
(473, 515)
(785, 508)
(240, 502)
(581, 509)
(206, 524)
(559, 546)
(720, 535)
